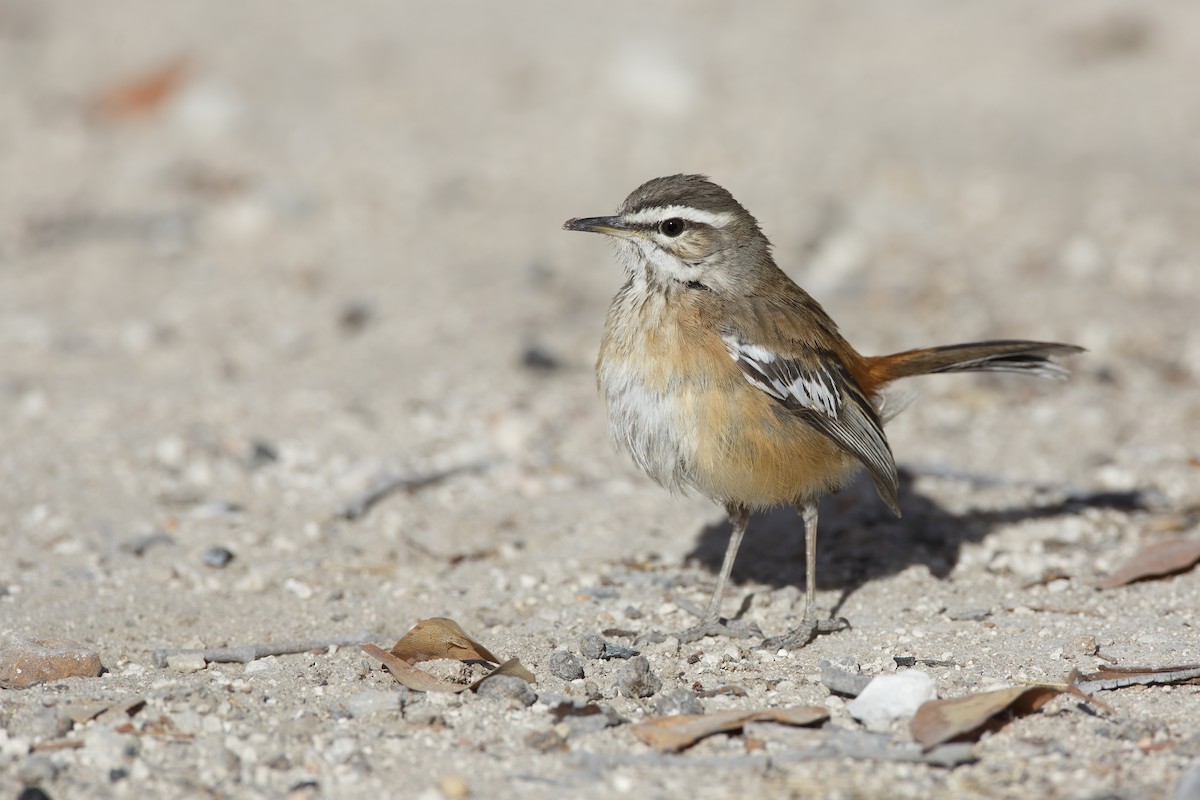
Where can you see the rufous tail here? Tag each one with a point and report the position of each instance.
(1030, 358)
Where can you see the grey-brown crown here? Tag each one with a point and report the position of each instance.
(689, 191)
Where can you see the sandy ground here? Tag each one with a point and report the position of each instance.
(332, 253)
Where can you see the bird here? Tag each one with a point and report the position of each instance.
(721, 375)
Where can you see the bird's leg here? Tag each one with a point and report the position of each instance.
(712, 624)
(810, 625)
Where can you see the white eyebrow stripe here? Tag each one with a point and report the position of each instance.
(716, 219)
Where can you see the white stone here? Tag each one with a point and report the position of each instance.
(888, 698)
(186, 662)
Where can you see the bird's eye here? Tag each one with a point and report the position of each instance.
(671, 227)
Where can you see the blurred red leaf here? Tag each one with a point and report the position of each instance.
(938, 721)
(144, 94)
(1155, 560)
(680, 732)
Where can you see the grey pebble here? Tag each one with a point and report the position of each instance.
(49, 723)
(843, 678)
(636, 680)
(585, 718)
(545, 741)
(508, 687)
(678, 701)
(565, 665)
(421, 714)
(612, 651)
(216, 557)
(140, 545)
(592, 646)
(37, 768)
(968, 614)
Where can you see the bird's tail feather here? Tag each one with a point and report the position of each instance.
(1030, 358)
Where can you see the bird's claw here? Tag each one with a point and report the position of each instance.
(733, 629)
(808, 630)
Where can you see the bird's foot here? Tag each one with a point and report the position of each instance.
(808, 630)
(729, 628)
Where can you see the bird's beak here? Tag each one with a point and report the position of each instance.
(613, 226)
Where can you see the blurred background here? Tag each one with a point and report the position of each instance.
(255, 255)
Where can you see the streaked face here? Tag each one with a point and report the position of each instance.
(672, 244)
(685, 232)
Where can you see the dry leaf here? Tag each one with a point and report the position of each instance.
(1155, 560)
(511, 667)
(439, 637)
(679, 732)
(144, 94)
(410, 676)
(938, 721)
(421, 681)
(85, 711)
(79, 713)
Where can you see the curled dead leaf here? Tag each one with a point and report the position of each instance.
(421, 681)
(439, 637)
(410, 676)
(672, 734)
(938, 721)
(1154, 561)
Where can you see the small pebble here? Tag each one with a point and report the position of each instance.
(140, 545)
(891, 697)
(267, 664)
(454, 787)
(216, 557)
(678, 701)
(576, 720)
(298, 588)
(565, 665)
(535, 358)
(261, 452)
(592, 646)
(613, 650)
(636, 680)
(37, 768)
(186, 662)
(968, 614)
(49, 723)
(26, 660)
(842, 678)
(508, 687)
(423, 715)
(546, 741)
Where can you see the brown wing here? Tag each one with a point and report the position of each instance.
(814, 384)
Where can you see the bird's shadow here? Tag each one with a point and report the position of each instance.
(859, 540)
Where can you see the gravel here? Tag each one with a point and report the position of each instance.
(330, 253)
